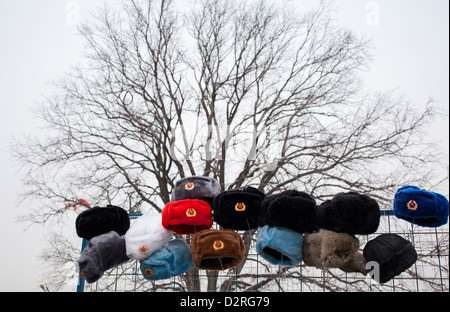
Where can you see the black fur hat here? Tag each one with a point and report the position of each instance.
(239, 209)
(99, 220)
(290, 209)
(351, 213)
(392, 253)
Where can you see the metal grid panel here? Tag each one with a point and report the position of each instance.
(429, 274)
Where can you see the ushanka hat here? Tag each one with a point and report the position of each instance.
(170, 261)
(187, 216)
(327, 249)
(290, 209)
(196, 187)
(351, 213)
(101, 254)
(145, 236)
(217, 249)
(392, 255)
(100, 220)
(421, 207)
(280, 246)
(239, 209)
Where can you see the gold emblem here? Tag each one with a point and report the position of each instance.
(412, 205)
(218, 244)
(190, 213)
(240, 207)
(143, 250)
(148, 272)
(83, 275)
(189, 186)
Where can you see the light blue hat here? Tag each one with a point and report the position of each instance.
(280, 246)
(167, 262)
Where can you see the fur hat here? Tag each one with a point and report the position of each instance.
(290, 209)
(168, 262)
(99, 220)
(238, 210)
(351, 213)
(102, 253)
(217, 249)
(280, 246)
(421, 207)
(327, 249)
(145, 236)
(187, 216)
(196, 187)
(393, 254)
(88, 264)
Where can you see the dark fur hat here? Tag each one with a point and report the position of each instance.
(217, 249)
(327, 249)
(392, 253)
(238, 210)
(100, 220)
(351, 213)
(290, 209)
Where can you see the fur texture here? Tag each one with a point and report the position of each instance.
(110, 249)
(89, 265)
(196, 187)
(280, 246)
(350, 213)
(217, 249)
(238, 210)
(393, 253)
(327, 249)
(290, 209)
(424, 208)
(102, 253)
(170, 261)
(187, 216)
(145, 236)
(99, 220)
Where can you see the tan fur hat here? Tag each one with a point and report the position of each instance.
(327, 249)
(217, 249)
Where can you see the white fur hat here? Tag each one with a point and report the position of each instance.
(145, 236)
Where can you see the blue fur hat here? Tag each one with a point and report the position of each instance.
(424, 208)
(168, 262)
(280, 246)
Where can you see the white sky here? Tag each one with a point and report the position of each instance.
(38, 42)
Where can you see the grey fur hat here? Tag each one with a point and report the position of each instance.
(196, 187)
(102, 253)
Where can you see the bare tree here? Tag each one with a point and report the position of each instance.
(250, 93)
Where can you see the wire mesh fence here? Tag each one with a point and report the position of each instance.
(430, 273)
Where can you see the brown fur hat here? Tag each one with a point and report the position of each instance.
(217, 249)
(327, 249)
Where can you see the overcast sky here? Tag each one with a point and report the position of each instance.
(38, 41)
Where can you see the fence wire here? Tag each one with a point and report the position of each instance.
(430, 273)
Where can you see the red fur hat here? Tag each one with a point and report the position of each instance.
(187, 216)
